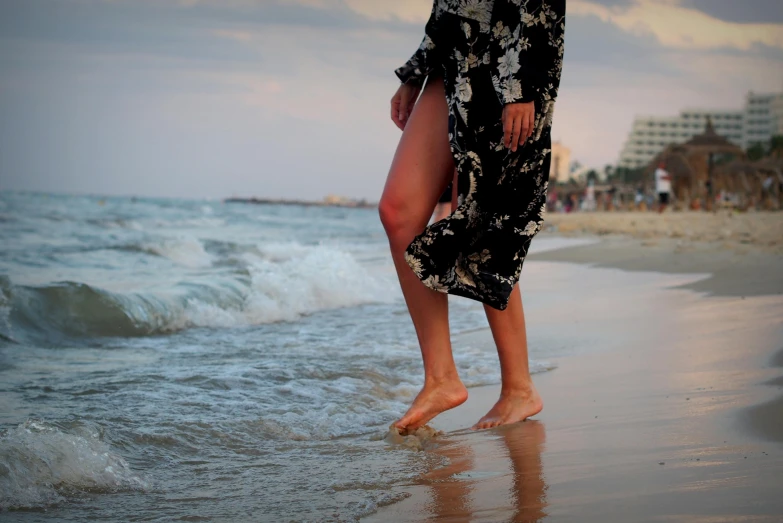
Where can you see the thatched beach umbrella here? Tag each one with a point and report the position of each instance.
(773, 166)
(747, 178)
(710, 143)
(739, 177)
(770, 163)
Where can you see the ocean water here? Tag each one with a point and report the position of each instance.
(183, 360)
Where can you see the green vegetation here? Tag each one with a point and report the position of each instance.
(776, 145)
(759, 150)
(755, 152)
(625, 175)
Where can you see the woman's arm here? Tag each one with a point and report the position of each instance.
(414, 72)
(423, 61)
(528, 50)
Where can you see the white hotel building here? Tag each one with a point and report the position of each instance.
(761, 119)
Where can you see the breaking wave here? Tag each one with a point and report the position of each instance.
(261, 286)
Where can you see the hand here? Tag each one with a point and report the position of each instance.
(518, 120)
(402, 104)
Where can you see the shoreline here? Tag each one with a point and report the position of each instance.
(730, 270)
(682, 421)
(349, 204)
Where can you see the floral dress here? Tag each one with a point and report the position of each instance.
(489, 53)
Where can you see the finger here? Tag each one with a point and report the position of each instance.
(404, 111)
(401, 109)
(396, 117)
(523, 132)
(395, 111)
(516, 132)
(508, 128)
(527, 127)
(405, 101)
(411, 97)
(531, 118)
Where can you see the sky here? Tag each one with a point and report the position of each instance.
(290, 98)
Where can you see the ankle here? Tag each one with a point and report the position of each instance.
(523, 388)
(440, 379)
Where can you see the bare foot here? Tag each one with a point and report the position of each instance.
(433, 399)
(512, 407)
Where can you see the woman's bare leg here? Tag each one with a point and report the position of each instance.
(419, 174)
(518, 397)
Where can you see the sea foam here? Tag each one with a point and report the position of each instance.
(185, 251)
(42, 464)
(262, 287)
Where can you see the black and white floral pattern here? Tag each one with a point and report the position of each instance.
(490, 53)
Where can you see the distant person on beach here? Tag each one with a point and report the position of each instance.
(766, 185)
(478, 97)
(589, 201)
(639, 197)
(572, 203)
(663, 186)
(552, 200)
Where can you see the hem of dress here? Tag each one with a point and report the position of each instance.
(464, 291)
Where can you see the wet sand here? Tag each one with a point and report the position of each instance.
(679, 418)
(733, 269)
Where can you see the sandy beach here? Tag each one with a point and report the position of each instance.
(726, 228)
(674, 414)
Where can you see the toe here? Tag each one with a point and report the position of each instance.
(492, 423)
(403, 422)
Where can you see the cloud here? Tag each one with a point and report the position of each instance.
(676, 26)
(671, 22)
(767, 11)
(412, 11)
(239, 36)
(679, 24)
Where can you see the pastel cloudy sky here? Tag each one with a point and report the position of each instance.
(289, 98)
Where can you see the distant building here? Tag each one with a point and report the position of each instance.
(651, 134)
(333, 199)
(761, 118)
(559, 169)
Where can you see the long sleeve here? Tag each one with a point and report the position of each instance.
(527, 50)
(424, 60)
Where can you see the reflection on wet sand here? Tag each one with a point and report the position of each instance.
(472, 488)
(525, 442)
